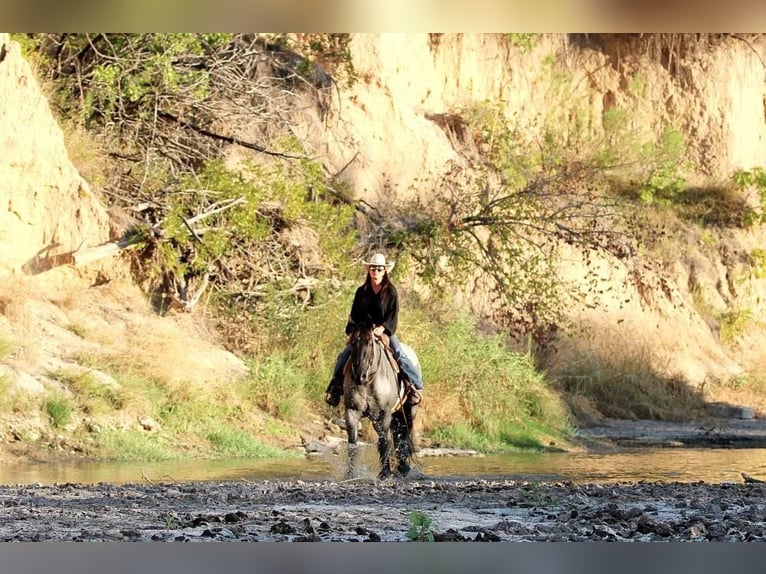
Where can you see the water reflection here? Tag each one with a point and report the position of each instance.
(685, 465)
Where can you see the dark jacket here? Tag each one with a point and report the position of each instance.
(368, 307)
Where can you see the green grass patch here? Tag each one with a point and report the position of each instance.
(733, 323)
(91, 394)
(136, 445)
(276, 386)
(235, 443)
(505, 404)
(59, 410)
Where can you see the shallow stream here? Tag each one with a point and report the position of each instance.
(712, 465)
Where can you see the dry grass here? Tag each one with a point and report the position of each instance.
(615, 374)
(14, 292)
(749, 389)
(85, 153)
(440, 407)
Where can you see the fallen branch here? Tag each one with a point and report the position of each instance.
(216, 208)
(85, 256)
(751, 480)
(188, 304)
(228, 139)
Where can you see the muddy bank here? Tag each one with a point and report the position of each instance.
(473, 510)
(713, 431)
(457, 510)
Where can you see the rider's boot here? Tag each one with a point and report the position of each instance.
(413, 395)
(334, 392)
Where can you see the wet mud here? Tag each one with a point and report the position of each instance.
(402, 510)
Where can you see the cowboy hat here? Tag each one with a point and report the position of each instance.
(379, 259)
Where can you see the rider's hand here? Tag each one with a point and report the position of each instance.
(378, 331)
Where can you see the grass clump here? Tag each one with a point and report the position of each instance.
(489, 397)
(230, 442)
(59, 410)
(135, 445)
(276, 386)
(733, 323)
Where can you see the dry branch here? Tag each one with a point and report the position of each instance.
(91, 254)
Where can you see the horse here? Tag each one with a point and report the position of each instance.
(371, 390)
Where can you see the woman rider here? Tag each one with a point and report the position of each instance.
(377, 301)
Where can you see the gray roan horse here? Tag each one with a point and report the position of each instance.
(371, 390)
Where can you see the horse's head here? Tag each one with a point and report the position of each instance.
(363, 358)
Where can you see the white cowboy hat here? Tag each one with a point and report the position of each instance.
(379, 259)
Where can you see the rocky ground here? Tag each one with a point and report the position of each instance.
(455, 511)
(418, 508)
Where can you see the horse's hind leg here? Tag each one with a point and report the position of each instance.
(402, 431)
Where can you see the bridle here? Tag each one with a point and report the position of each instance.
(370, 366)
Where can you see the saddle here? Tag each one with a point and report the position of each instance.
(405, 386)
(406, 389)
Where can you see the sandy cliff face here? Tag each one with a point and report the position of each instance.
(383, 135)
(383, 119)
(47, 211)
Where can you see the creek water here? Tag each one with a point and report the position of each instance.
(711, 465)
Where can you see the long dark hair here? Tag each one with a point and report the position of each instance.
(384, 284)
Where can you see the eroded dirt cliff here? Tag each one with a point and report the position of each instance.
(385, 133)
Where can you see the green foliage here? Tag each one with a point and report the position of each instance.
(59, 410)
(525, 41)
(230, 442)
(275, 386)
(757, 261)
(90, 394)
(506, 403)
(139, 69)
(77, 329)
(136, 445)
(664, 159)
(420, 527)
(462, 434)
(504, 228)
(637, 86)
(733, 323)
(253, 219)
(332, 53)
(749, 179)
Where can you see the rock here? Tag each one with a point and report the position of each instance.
(725, 410)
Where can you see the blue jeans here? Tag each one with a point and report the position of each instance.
(404, 361)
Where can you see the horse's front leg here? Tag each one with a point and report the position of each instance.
(352, 432)
(382, 425)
